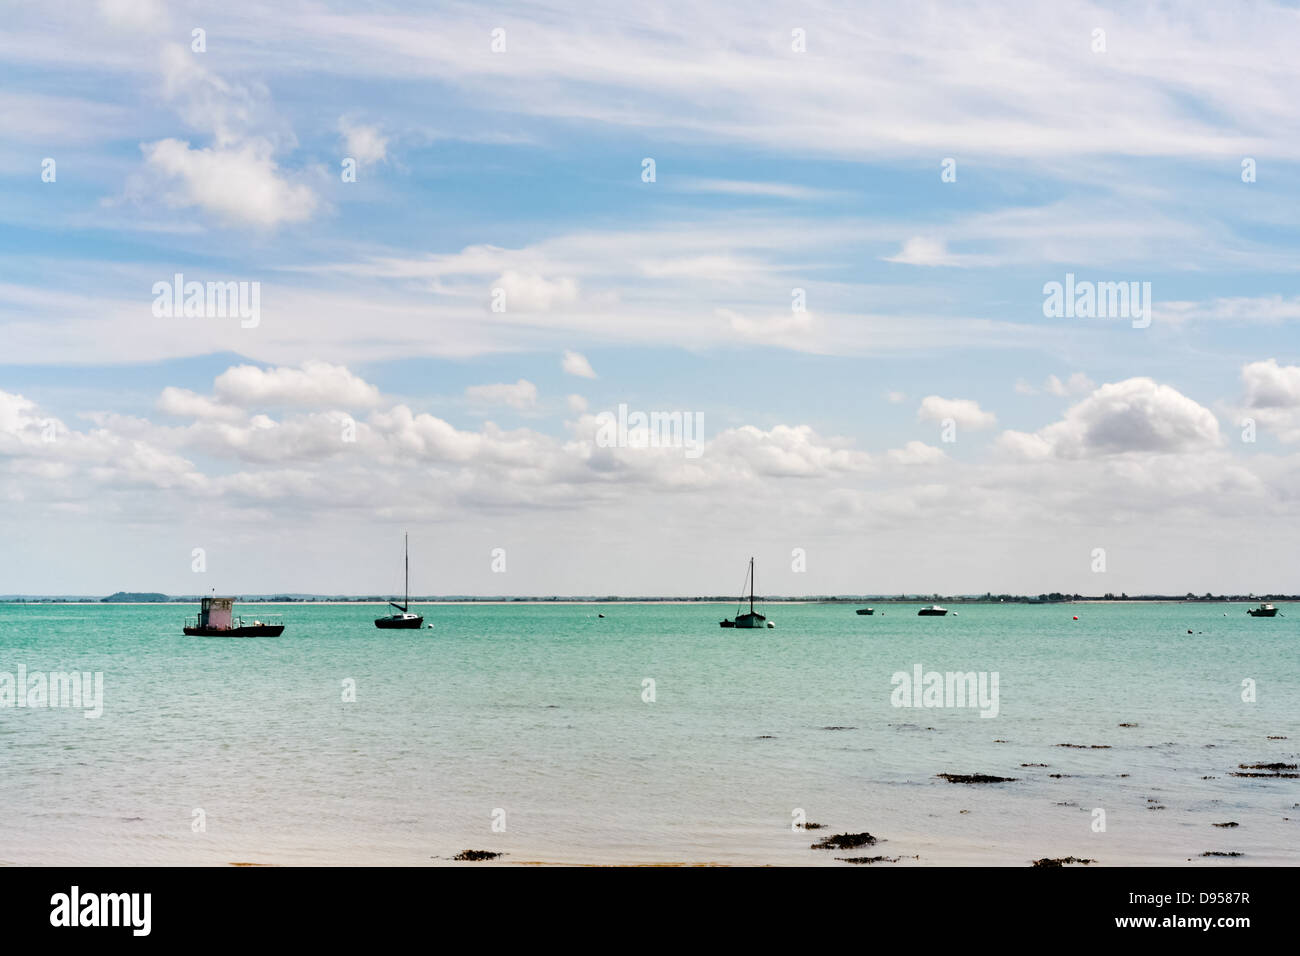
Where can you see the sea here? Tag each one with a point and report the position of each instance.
(551, 735)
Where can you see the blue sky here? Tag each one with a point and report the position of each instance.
(776, 169)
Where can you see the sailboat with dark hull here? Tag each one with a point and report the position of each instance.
(753, 618)
(406, 620)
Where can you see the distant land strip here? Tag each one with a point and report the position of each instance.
(1056, 597)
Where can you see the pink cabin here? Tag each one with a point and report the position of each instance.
(215, 613)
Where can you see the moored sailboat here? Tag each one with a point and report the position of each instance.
(405, 620)
(753, 618)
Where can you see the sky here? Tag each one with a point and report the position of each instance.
(466, 234)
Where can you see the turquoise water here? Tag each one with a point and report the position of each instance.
(538, 710)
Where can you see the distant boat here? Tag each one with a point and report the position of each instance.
(405, 620)
(753, 618)
(866, 610)
(932, 611)
(216, 619)
(1264, 610)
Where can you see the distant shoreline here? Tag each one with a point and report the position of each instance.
(452, 601)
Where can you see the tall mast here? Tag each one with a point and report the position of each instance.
(751, 585)
(407, 549)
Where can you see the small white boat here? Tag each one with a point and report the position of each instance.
(932, 611)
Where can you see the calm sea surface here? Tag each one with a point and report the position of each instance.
(538, 711)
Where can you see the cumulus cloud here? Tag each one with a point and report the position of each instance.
(1135, 415)
(238, 184)
(182, 403)
(315, 384)
(788, 451)
(366, 144)
(530, 292)
(522, 395)
(237, 178)
(1273, 396)
(964, 411)
(575, 363)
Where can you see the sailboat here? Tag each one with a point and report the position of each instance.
(406, 619)
(753, 618)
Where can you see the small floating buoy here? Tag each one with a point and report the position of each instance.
(1076, 617)
(1189, 632)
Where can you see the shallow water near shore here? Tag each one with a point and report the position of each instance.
(538, 710)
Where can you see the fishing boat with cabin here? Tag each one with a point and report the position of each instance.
(216, 618)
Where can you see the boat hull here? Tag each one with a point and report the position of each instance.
(399, 623)
(1263, 612)
(866, 610)
(248, 630)
(927, 612)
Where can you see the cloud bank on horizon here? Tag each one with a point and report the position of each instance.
(477, 273)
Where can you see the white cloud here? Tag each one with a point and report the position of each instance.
(964, 411)
(529, 292)
(920, 251)
(1273, 397)
(1136, 415)
(182, 403)
(575, 363)
(147, 15)
(1268, 310)
(916, 453)
(522, 395)
(366, 144)
(736, 187)
(1076, 384)
(782, 328)
(577, 404)
(315, 384)
(238, 184)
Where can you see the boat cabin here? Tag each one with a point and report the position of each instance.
(216, 613)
